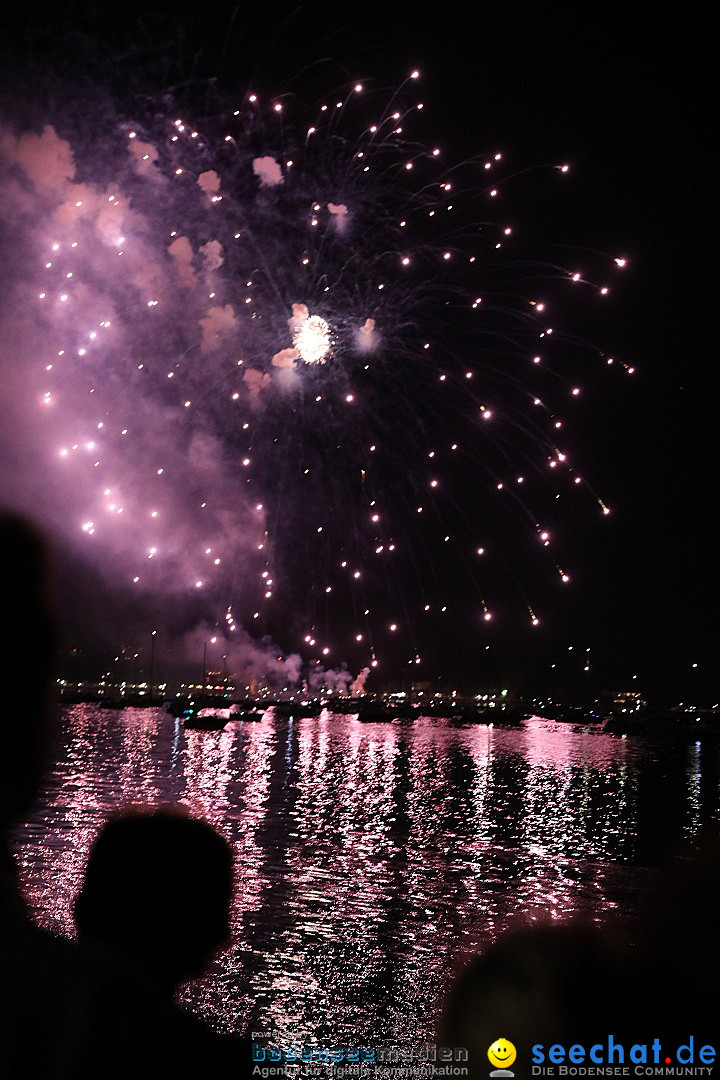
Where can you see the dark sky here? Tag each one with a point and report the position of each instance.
(630, 104)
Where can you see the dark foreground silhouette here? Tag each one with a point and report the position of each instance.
(156, 900)
(574, 985)
(542, 985)
(67, 1011)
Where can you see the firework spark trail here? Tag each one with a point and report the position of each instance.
(229, 341)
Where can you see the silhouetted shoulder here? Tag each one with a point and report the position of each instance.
(67, 1012)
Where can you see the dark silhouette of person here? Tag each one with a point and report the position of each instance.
(156, 896)
(549, 984)
(26, 665)
(674, 962)
(60, 1010)
(652, 977)
(41, 983)
(66, 1012)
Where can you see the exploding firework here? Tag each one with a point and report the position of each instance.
(292, 369)
(312, 340)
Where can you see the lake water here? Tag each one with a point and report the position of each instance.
(370, 857)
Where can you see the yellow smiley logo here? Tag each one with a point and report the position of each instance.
(502, 1054)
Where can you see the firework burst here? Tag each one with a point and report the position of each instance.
(289, 364)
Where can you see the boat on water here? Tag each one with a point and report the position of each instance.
(345, 706)
(307, 711)
(375, 713)
(497, 717)
(195, 722)
(405, 710)
(178, 707)
(249, 716)
(575, 714)
(296, 711)
(215, 719)
(691, 725)
(443, 710)
(131, 702)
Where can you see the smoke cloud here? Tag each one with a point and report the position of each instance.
(267, 171)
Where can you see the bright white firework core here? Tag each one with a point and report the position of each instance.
(312, 340)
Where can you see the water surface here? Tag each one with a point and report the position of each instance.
(371, 856)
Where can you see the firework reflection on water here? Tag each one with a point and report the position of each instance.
(370, 856)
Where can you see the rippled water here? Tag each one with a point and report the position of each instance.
(371, 855)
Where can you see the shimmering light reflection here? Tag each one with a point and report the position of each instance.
(369, 855)
(694, 780)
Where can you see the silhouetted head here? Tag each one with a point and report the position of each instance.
(542, 985)
(26, 665)
(157, 891)
(678, 941)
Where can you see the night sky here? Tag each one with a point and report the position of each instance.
(629, 105)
